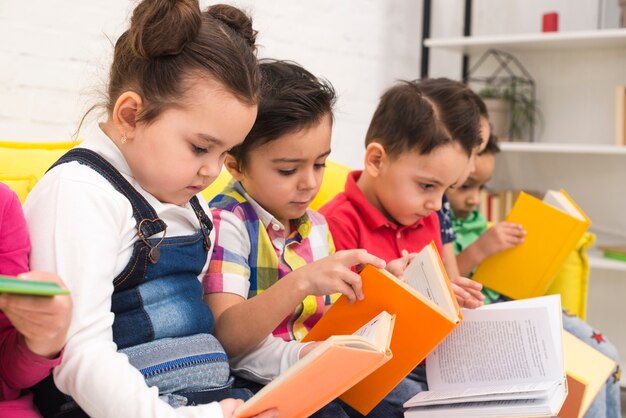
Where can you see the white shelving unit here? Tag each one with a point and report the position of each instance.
(605, 39)
(576, 74)
(556, 148)
(597, 261)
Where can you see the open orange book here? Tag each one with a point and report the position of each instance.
(426, 312)
(326, 372)
(587, 372)
(553, 228)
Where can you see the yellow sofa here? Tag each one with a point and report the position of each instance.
(23, 163)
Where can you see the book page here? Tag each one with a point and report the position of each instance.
(562, 203)
(507, 346)
(527, 391)
(424, 275)
(542, 406)
(555, 319)
(377, 330)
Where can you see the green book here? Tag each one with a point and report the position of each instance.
(614, 253)
(16, 285)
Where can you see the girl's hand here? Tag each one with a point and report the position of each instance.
(333, 274)
(230, 405)
(43, 321)
(467, 292)
(500, 237)
(397, 266)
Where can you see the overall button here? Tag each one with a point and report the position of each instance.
(405, 252)
(276, 227)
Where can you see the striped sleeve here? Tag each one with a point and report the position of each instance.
(229, 271)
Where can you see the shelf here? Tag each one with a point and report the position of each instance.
(596, 39)
(597, 261)
(545, 147)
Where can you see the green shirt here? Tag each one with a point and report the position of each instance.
(467, 231)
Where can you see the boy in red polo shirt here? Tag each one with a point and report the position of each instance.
(419, 143)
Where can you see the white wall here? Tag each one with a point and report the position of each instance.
(54, 58)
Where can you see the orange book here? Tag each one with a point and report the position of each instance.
(554, 226)
(574, 401)
(426, 312)
(326, 372)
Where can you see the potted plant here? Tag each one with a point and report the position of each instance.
(512, 108)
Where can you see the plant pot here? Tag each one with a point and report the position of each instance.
(499, 116)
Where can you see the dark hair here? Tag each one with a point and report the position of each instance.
(291, 99)
(459, 109)
(170, 41)
(492, 146)
(424, 115)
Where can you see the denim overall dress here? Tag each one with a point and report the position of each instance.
(161, 321)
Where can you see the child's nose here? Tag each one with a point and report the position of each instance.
(473, 199)
(434, 204)
(211, 168)
(308, 180)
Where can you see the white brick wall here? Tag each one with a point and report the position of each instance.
(55, 54)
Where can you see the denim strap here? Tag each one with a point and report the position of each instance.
(141, 208)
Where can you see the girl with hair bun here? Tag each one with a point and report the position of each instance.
(122, 220)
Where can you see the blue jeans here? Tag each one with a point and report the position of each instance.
(607, 403)
(392, 405)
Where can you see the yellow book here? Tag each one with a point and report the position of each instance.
(587, 371)
(553, 228)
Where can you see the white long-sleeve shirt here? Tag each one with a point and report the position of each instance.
(84, 230)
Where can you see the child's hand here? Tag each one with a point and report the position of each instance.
(500, 237)
(467, 292)
(308, 348)
(43, 321)
(397, 266)
(229, 406)
(333, 274)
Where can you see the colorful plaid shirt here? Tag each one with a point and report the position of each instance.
(251, 254)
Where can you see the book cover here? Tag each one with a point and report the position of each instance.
(585, 366)
(505, 359)
(19, 286)
(326, 372)
(620, 115)
(424, 317)
(553, 228)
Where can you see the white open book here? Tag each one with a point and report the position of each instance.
(505, 359)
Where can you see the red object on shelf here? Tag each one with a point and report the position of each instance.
(550, 22)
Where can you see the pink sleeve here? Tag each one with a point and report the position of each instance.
(14, 242)
(19, 367)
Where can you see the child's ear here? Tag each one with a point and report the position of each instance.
(375, 157)
(126, 112)
(232, 165)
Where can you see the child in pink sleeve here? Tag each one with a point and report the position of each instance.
(32, 329)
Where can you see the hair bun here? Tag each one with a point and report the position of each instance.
(163, 27)
(237, 20)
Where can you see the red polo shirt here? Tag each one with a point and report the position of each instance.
(355, 223)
